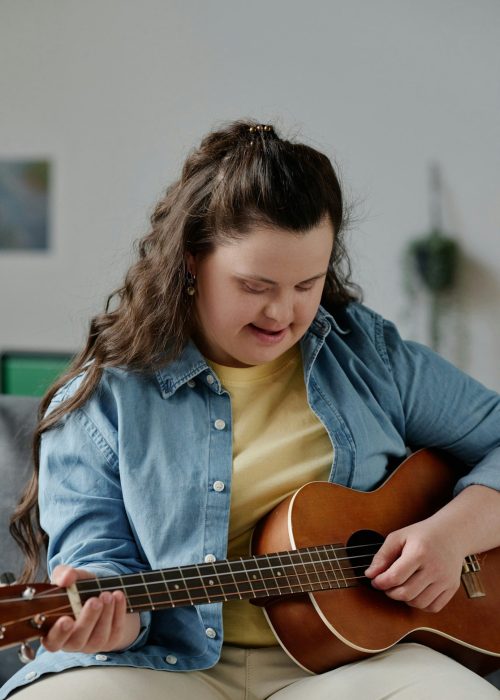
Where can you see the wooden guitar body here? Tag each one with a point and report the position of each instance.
(325, 629)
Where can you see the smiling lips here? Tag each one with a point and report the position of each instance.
(267, 336)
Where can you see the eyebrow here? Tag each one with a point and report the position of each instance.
(257, 278)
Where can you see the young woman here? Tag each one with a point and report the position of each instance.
(235, 364)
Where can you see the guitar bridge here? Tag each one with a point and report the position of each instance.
(470, 577)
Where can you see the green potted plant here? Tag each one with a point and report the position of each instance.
(432, 264)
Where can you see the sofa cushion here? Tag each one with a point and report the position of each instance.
(17, 423)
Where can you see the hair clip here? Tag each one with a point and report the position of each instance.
(266, 130)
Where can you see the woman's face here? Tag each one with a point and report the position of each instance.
(256, 296)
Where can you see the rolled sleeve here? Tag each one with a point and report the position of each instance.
(446, 409)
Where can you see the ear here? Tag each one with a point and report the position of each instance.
(190, 263)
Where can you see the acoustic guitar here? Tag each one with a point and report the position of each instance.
(306, 570)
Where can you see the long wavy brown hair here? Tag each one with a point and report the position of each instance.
(242, 174)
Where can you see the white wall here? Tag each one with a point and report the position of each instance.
(115, 92)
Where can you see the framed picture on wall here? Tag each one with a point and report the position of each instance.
(24, 204)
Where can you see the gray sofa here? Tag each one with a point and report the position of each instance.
(17, 421)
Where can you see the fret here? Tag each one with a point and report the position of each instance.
(311, 569)
(148, 593)
(242, 578)
(165, 588)
(332, 567)
(337, 566)
(268, 574)
(324, 577)
(237, 589)
(157, 589)
(256, 577)
(135, 592)
(91, 587)
(288, 563)
(284, 581)
(301, 570)
(212, 582)
(316, 570)
(227, 580)
(275, 575)
(202, 583)
(189, 581)
(176, 583)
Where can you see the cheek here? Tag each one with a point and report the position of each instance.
(306, 309)
(227, 312)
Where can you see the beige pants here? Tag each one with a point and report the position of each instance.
(405, 672)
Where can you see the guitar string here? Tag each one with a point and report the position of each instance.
(214, 574)
(217, 588)
(189, 600)
(296, 561)
(339, 570)
(182, 602)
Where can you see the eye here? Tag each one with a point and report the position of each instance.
(253, 290)
(305, 287)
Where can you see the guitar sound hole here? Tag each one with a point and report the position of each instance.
(361, 547)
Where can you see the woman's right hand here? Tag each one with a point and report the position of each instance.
(103, 624)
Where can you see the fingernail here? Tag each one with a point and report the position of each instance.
(95, 604)
(106, 598)
(66, 625)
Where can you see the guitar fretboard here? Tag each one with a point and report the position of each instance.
(264, 576)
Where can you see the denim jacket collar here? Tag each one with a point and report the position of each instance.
(192, 363)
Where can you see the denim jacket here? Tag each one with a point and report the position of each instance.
(127, 480)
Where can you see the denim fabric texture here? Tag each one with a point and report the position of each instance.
(127, 481)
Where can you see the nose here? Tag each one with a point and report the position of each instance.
(280, 309)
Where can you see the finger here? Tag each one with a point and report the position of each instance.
(386, 555)
(58, 634)
(427, 598)
(421, 601)
(440, 601)
(98, 638)
(118, 623)
(84, 626)
(64, 575)
(435, 600)
(411, 589)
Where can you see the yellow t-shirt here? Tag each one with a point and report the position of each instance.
(279, 444)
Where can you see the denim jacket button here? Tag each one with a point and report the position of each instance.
(171, 659)
(30, 676)
(211, 633)
(101, 657)
(210, 558)
(219, 424)
(210, 379)
(191, 383)
(219, 486)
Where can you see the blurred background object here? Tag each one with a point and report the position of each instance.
(433, 265)
(30, 373)
(113, 93)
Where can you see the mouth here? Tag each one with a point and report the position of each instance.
(267, 336)
(267, 330)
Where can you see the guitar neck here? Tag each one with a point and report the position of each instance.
(265, 576)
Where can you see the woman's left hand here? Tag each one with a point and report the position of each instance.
(420, 565)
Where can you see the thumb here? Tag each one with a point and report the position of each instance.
(64, 575)
(386, 555)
